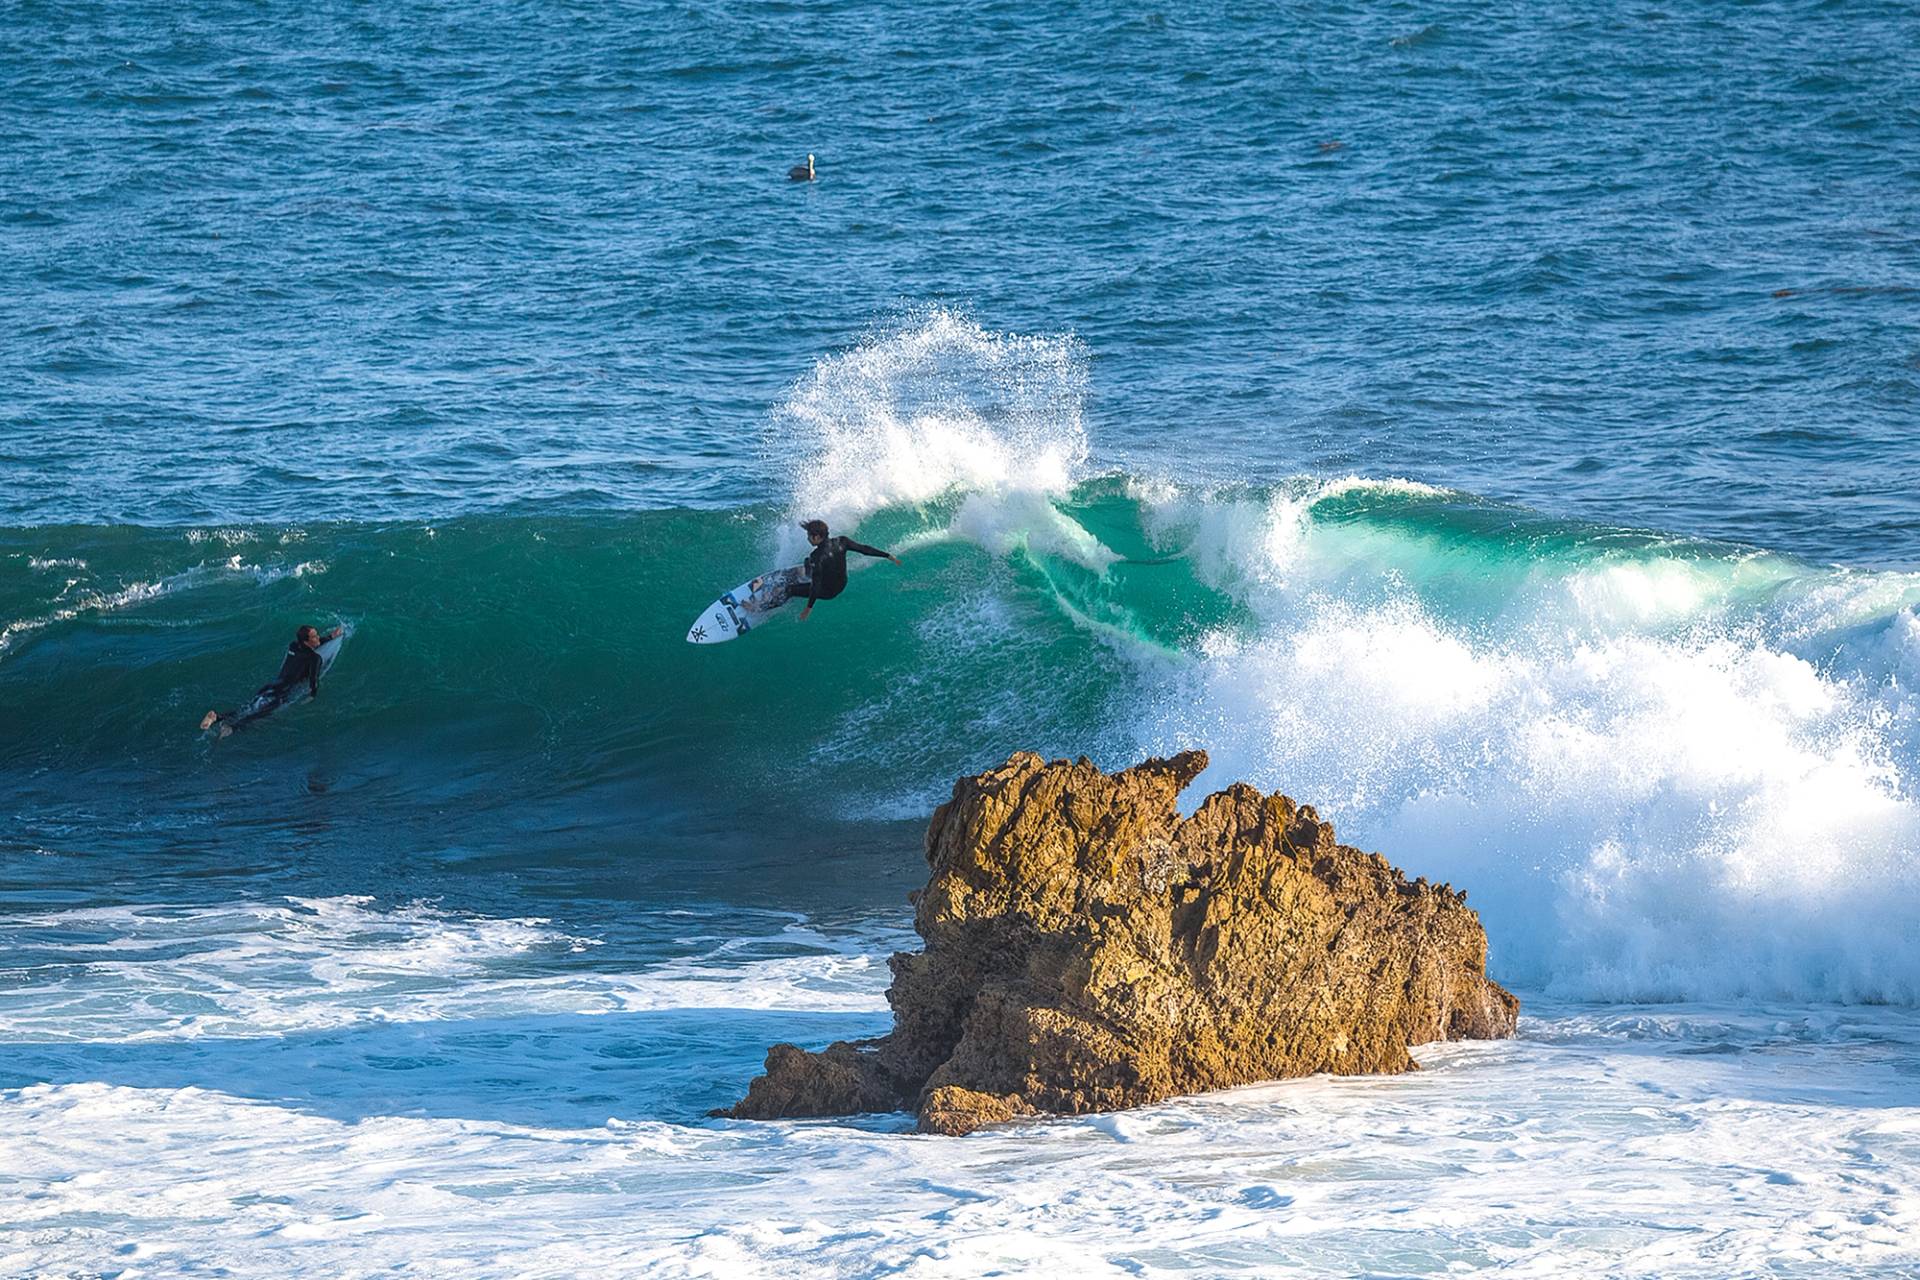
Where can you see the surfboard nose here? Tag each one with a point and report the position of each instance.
(713, 626)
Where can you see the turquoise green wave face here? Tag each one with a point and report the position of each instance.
(508, 655)
(1593, 728)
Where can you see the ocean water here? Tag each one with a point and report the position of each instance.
(1493, 425)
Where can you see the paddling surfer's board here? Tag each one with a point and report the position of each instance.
(745, 607)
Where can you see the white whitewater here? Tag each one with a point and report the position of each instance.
(449, 1094)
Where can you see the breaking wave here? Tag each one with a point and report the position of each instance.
(1664, 768)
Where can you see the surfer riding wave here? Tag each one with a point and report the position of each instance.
(822, 576)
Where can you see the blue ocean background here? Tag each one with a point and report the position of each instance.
(1493, 425)
(339, 262)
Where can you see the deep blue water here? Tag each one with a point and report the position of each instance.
(1653, 265)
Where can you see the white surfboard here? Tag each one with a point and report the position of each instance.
(745, 607)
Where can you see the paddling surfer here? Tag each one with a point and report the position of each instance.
(301, 665)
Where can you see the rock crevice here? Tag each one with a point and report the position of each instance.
(1088, 949)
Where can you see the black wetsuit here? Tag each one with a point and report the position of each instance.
(827, 567)
(300, 666)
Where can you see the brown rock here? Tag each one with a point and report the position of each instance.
(1088, 949)
(838, 1081)
(953, 1111)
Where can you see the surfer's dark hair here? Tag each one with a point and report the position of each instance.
(300, 633)
(815, 526)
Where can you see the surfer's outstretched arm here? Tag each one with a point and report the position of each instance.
(875, 552)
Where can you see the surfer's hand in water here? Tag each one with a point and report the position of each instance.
(336, 631)
(804, 612)
(895, 559)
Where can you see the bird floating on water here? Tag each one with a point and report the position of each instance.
(802, 172)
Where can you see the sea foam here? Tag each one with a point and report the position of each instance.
(1654, 778)
(934, 404)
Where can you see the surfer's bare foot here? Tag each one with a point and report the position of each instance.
(206, 721)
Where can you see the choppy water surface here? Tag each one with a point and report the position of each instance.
(1493, 427)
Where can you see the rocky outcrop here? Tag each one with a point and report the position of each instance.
(1088, 949)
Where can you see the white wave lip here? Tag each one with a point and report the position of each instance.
(1665, 769)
